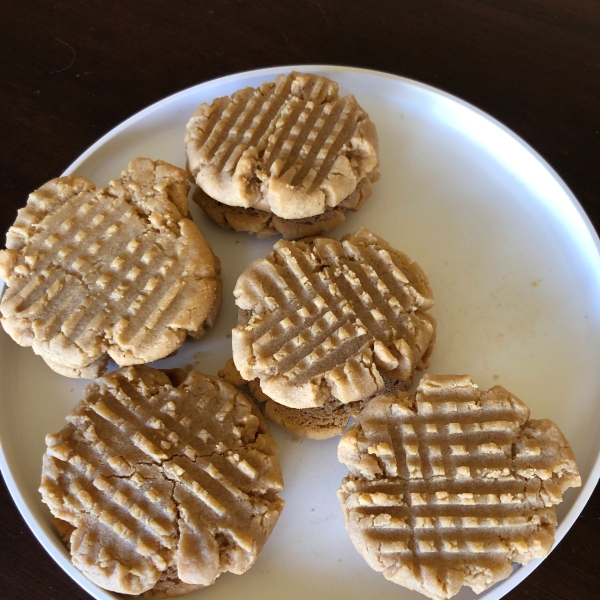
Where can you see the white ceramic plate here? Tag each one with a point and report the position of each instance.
(515, 268)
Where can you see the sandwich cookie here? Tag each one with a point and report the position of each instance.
(291, 150)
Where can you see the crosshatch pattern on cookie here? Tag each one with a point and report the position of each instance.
(325, 318)
(118, 271)
(291, 147)
(453, 486)
(153, 477)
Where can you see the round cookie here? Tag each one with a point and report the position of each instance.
(452, 485)
(160, 481)
(291, 147)
(118, 272)
(320, 318)
(266, 224)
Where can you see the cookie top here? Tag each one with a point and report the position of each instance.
(165, 481)
(322, 318)
(451, 486)
(291, 147)
(116, 272)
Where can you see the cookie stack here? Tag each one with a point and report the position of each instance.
(325, 325)
(288, 157)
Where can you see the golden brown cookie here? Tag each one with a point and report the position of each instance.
(162, 481)
(266, 224)
(320, 318)
(452, 485)
(118, 272)
(291, 147)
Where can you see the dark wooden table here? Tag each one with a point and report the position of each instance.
(71, 71)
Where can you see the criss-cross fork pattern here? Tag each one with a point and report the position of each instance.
(290, 129)
(96, 274)
(141, 460)
(316, 310)
(454, 475)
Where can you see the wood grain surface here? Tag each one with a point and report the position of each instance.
(71, 71)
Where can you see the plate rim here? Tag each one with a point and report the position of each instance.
(584, 492)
